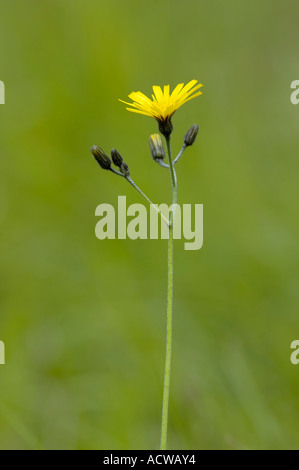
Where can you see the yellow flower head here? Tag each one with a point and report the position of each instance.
(163, 104)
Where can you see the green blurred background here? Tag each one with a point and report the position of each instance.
(83, 320)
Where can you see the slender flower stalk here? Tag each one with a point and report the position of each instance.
(166, 387)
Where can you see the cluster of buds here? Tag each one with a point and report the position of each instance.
(157, 152)
(105, 162)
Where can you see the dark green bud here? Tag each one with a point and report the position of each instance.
(191, 135)
(100, 156)
(118, 161)
(116, 157)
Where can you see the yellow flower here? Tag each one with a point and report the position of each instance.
(163, 104)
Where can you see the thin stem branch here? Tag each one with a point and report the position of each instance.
(179, 155)
(177, 158)
(161, 163)
(166, 387)
(165, 220)
(116, 172)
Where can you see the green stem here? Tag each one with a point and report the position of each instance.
(165, 404)
(165, 220)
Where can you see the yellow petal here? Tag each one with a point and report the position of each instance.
(158, 93)
(188, 86)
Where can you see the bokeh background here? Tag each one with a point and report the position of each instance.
(83, 320)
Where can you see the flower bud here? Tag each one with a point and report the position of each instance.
(156, 146)
(116, 157)
(191, 135)
(118, 161)
(100, 156)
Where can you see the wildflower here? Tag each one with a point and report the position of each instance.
(163, 104)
